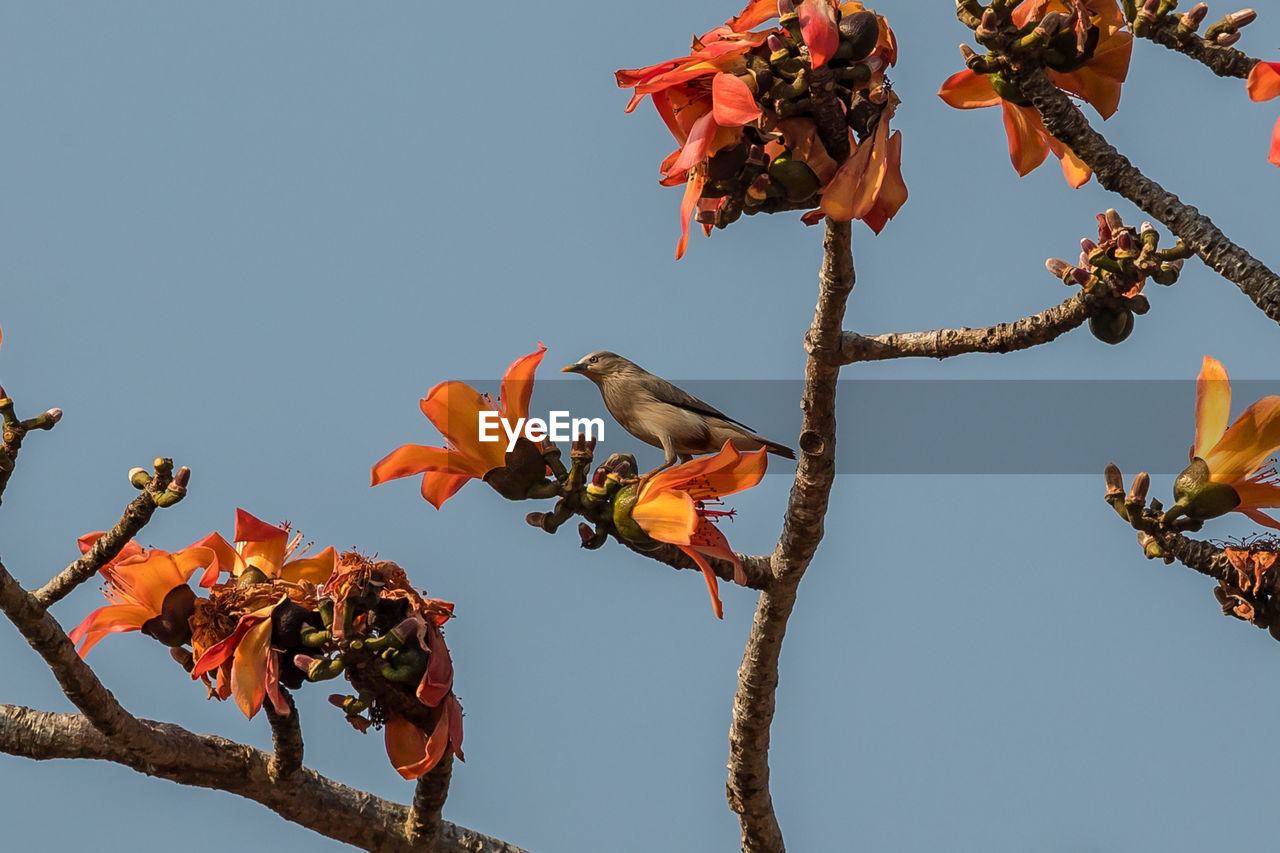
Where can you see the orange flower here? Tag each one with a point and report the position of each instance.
(148, 592)
(671, 507)
(1264, 84)
(454, 408)
(1097, 80)
(1231, 468)
(412, 751)
(719, 103)
(254, 667)
(266, 548)
(1029, 141)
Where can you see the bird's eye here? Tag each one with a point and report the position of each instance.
(593, 359)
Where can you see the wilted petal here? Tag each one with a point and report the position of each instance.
(249, 666)
(692, 192)
(756, 13)
(713, 583)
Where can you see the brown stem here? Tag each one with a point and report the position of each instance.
(286, 740)
(757, 567)
(944, 343)
(753, 706)
(1116, 173)
(422, 827)
(306, 798)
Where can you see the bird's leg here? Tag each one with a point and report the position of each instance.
(669, 448)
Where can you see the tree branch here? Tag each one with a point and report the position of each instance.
(944, 343)
(306, 798)
(1116, 173)
(753, 706)
(1223, 61)
(286, 739)
(758, 568)
(161, 488)
(423, 823)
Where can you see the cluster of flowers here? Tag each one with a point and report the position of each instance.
(273, 617)
(742, 109)
(671, 507)
(1086, 53)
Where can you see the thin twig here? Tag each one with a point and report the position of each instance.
(758, 568)
(1027, 332)
(135, 517)
(13, 431)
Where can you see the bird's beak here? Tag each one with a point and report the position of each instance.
(573, 368)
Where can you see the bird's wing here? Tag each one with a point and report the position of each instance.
(681, 399)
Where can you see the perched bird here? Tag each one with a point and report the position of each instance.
(660, 414)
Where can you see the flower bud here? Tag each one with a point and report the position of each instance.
(1111, 327)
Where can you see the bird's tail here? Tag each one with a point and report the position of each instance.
(778, 449)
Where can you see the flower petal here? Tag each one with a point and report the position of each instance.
(438, 679)
(820, 30)
(1248, 442)
(1273, 154)
(1261, 518)
(249, 666)
(517, 385)
(1028, 147)
(439, 486)
(454, 408)
(968, 90)
(666, 515)
(412, 753)
(732, 103)
(756, 13)
(261, 545)
(713, 583)
(109, 619)
(1213, 406)
(692, 192)
(1264, 81)
(315, 569)
(709, 540)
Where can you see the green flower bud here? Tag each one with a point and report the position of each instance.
(1111, 327)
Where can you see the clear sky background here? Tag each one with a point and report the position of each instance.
(250, 236)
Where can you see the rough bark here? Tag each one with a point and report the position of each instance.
(1115, 172)
(1027, 332)
(753, 706)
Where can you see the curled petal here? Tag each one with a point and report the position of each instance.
(692, 192)
(968, 90)
(517, 385)
(713, 583)
(1264, 81)
(411, 751)
(755, 14)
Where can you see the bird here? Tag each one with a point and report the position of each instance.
(662, 415)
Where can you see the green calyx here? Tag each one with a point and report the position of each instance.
(623, 503)
(1199, 497)
(1008, 91)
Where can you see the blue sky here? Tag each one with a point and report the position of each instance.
(251, 236)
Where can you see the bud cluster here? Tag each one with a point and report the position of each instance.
(1114, 270)
(1145, 17)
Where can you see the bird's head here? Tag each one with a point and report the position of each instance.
(601, 365)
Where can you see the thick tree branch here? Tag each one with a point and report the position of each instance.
(306, 798)
(944, 343)
(160, 489)
(1116, 173)
(753, 706)
(1223, 61)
